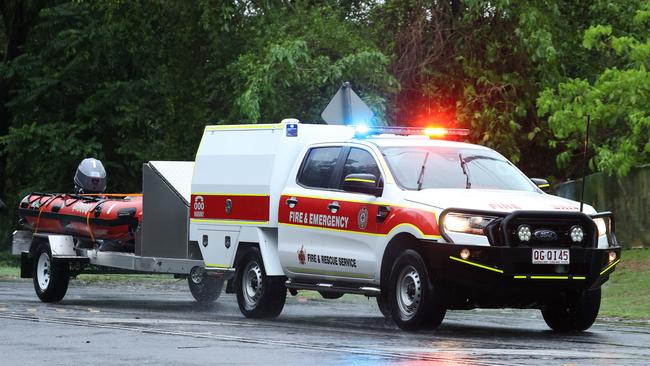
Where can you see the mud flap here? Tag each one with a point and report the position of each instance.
(26, 265)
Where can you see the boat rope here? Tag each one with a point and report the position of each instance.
(42, 207)
(90, 230)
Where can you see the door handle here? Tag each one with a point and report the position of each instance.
(334, 207)
(292, 202)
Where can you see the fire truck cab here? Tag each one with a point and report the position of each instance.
(422, 224)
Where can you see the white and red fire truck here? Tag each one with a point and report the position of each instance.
(419, 222)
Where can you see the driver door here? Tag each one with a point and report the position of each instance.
(328, 231)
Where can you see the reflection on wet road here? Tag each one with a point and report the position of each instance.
(160, 324)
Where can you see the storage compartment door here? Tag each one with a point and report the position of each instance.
(218, 247)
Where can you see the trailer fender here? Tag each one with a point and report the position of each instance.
(21, 241)
(61, 245)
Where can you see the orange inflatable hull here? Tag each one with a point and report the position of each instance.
(95, 217)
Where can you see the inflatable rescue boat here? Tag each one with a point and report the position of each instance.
(95, 217)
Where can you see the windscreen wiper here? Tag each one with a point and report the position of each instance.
(465, 167)
(471, 158)
(421, 177)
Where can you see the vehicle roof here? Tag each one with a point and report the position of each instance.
(421, 141)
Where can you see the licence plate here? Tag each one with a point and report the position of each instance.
(550, 256)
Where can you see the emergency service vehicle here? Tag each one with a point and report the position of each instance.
(422, 223)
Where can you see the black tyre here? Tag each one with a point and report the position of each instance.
(577, 313)
(383, 302)
(258, 295)
(204, 288)
(413, 300)
(331, 295)
(51, 277)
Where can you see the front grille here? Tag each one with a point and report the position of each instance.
(503, 232)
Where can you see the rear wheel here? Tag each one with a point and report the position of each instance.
(577, 313)
(413, 299)
(258, 295)
(204, 288)
(51, 277)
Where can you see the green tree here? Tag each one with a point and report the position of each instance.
(295, 59)
(618, 101)
(482, 64)
(18, 19)
(129, 82)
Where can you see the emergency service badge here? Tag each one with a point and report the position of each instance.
(362, 219)
(199, 206)
(302, 257)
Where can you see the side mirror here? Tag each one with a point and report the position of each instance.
(362, 183)
(541, 184)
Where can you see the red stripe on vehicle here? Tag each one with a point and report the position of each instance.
(314, 212)
(230, 207)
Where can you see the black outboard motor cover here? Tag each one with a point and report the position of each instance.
(90, 177)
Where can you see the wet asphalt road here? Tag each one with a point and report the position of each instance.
(156, 324)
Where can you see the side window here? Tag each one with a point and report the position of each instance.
(360, 162)
(318, 168)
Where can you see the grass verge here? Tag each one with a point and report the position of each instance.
(9, 265)
(627, 293)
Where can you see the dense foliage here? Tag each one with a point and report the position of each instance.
(617, 100)
(131, 81)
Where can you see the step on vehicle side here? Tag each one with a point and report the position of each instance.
(425, 225)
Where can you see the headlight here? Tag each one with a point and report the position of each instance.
(602, 226)
(465, 223)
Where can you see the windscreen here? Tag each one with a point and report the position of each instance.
(417, 168)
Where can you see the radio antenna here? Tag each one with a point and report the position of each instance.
(584, 167)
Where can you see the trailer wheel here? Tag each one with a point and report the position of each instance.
(577, 313)
(204, 288)
(258, 295)
(415, 303)
(51, 277)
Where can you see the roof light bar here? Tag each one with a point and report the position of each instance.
(363, 131)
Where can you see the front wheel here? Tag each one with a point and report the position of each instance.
(414, 302)
(577, 313)
(384, 305)
(258, 295)
(51, 277)
(204, 288)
